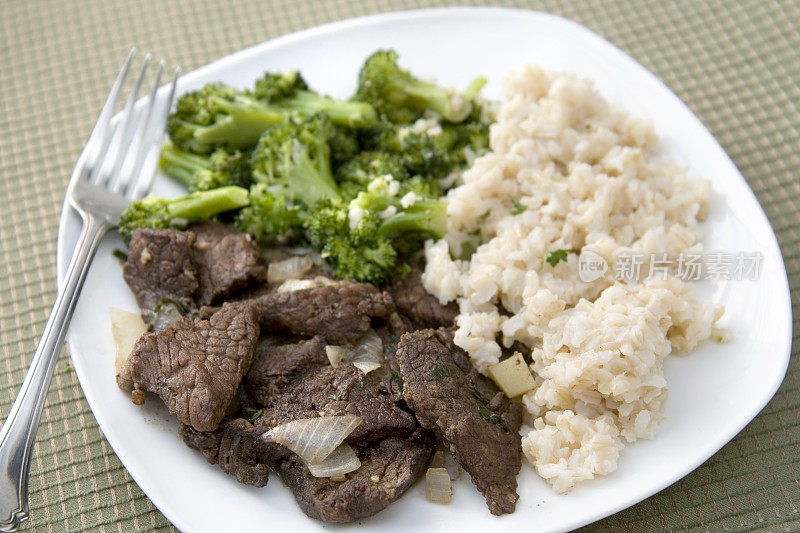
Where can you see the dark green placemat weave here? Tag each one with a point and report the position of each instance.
(736, 63)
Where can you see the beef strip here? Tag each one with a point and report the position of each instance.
(344, 390)
(276, 366)
(341, 313)
(235, 448)
(203, 265)
(160, 266)
(447, 399)
(387, 470)
(229, 262)
(195, 366)
(415, 303)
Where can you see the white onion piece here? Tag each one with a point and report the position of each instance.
(443, 459)
(437, 485)
(126, 328)
(366, 366)
(335, 354)
(291, 268)
(291, 285)
(313, 439)
(340, 461)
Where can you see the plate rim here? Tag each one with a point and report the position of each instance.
(437, 12)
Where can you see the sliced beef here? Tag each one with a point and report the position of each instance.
(195, 366)
(387, 470)
(421, 308)
(276, 366)
(341, 313)
(203, 265)
(235, 447)
(229, 262)
(339, 391)
(449, 400)
(161, 266)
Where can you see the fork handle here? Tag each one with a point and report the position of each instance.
(18, 434)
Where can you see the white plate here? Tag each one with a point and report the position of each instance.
(714, 392)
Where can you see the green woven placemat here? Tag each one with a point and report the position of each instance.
(736, 63)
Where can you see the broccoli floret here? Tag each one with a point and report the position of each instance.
(400, 97)
(269, 218)
(361, 240)
(288, 90)
(218, 116)
(160, 213)
(366, 166)
(343, 143)
(201, 172)
(420, 152)
(292, 159)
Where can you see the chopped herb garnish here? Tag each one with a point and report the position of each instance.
(443, 370)
(557, 255)
(120, 254)
(67, 366)
(396, 380)
(389, 349)
(519, 208)
(487, 413)
(251, 414)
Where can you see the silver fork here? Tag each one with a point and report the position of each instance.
(111, 172)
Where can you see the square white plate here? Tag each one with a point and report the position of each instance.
(714, 392)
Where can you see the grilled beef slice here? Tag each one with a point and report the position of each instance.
(276, 366)
(344, 390)
(340, 313)
(161, 266)
(448, 400)
(234, 447)
(195, 366)
(200, 266)
(388, 469)
(422, 309)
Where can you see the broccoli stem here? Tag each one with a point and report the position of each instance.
(246, 120)
(312, 181)
(202, 205)
(180, 164)
(341, 112)
(426, 216)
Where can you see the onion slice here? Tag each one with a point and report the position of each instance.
(313, 439)
(126, 328)
(366, 354)
(437, 485)
(292, 268)
(340, 461)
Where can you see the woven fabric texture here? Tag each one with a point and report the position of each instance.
(736, 64)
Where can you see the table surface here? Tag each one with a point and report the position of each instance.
(735, 63)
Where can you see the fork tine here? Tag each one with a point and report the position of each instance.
(99, 138)
(140, 145)
(123, 133)
(151, 146)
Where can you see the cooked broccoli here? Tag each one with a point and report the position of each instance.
(270, 218)
(366, 166)
(289, 90)
(292, 159)
(419, 151)
(218, 116)
(155, 212)
(400, 97)
(204, 172)
(359, 240)
(343, 144)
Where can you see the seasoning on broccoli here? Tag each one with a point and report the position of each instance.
(360, 239)
(161, 213)
(204, 172)
(399, 96)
